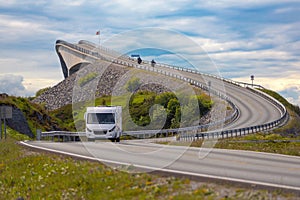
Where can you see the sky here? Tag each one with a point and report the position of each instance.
(243, 38)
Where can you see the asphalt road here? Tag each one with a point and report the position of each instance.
(241, 166)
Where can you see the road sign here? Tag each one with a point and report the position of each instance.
(5, 112)
(252, 79)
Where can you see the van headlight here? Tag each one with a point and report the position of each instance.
(112, 129)
(89, 130)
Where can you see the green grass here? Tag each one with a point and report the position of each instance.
(84, 80)
(34, 175)
(271, 143)
(293, 108)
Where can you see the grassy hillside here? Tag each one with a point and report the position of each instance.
(36, 115)
(291, 107)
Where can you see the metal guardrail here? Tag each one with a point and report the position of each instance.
(60, 136)
(195, 132)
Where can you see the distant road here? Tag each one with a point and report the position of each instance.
(241, 166)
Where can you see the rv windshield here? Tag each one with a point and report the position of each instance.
(101, 118)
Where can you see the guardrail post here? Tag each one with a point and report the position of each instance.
(38, 134)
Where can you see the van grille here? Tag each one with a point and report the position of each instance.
(100, 132)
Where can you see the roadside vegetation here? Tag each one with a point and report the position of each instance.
(283, 140)
(142, 101)
(36, 115)
(28, 174)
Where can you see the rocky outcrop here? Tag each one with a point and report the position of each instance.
(18, 122)
(62, 93)
(57, 96)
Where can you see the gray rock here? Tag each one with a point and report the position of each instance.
(19, 123)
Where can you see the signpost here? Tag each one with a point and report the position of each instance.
(252, 79)
(5, 113)
(209, 86)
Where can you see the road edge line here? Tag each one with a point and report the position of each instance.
(165, 170)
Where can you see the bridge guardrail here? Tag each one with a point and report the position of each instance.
(195, 132)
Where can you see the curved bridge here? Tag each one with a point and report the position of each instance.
(254, 111)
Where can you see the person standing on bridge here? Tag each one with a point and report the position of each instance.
(139, 60)
(153, 63)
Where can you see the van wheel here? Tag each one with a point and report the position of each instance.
(112, 139)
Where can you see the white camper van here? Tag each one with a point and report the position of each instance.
(104, 122)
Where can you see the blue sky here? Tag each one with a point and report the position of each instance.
(241, 37)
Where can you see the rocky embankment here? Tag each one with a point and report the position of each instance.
(78, 88)
(62, 93)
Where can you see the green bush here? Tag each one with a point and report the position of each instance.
(139, 107)
(174, 112)
(164, 98)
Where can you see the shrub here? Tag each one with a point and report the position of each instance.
(164, 98)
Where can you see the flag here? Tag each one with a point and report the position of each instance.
(98, 33)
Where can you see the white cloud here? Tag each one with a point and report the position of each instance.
(13, 85)
(223, 4)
